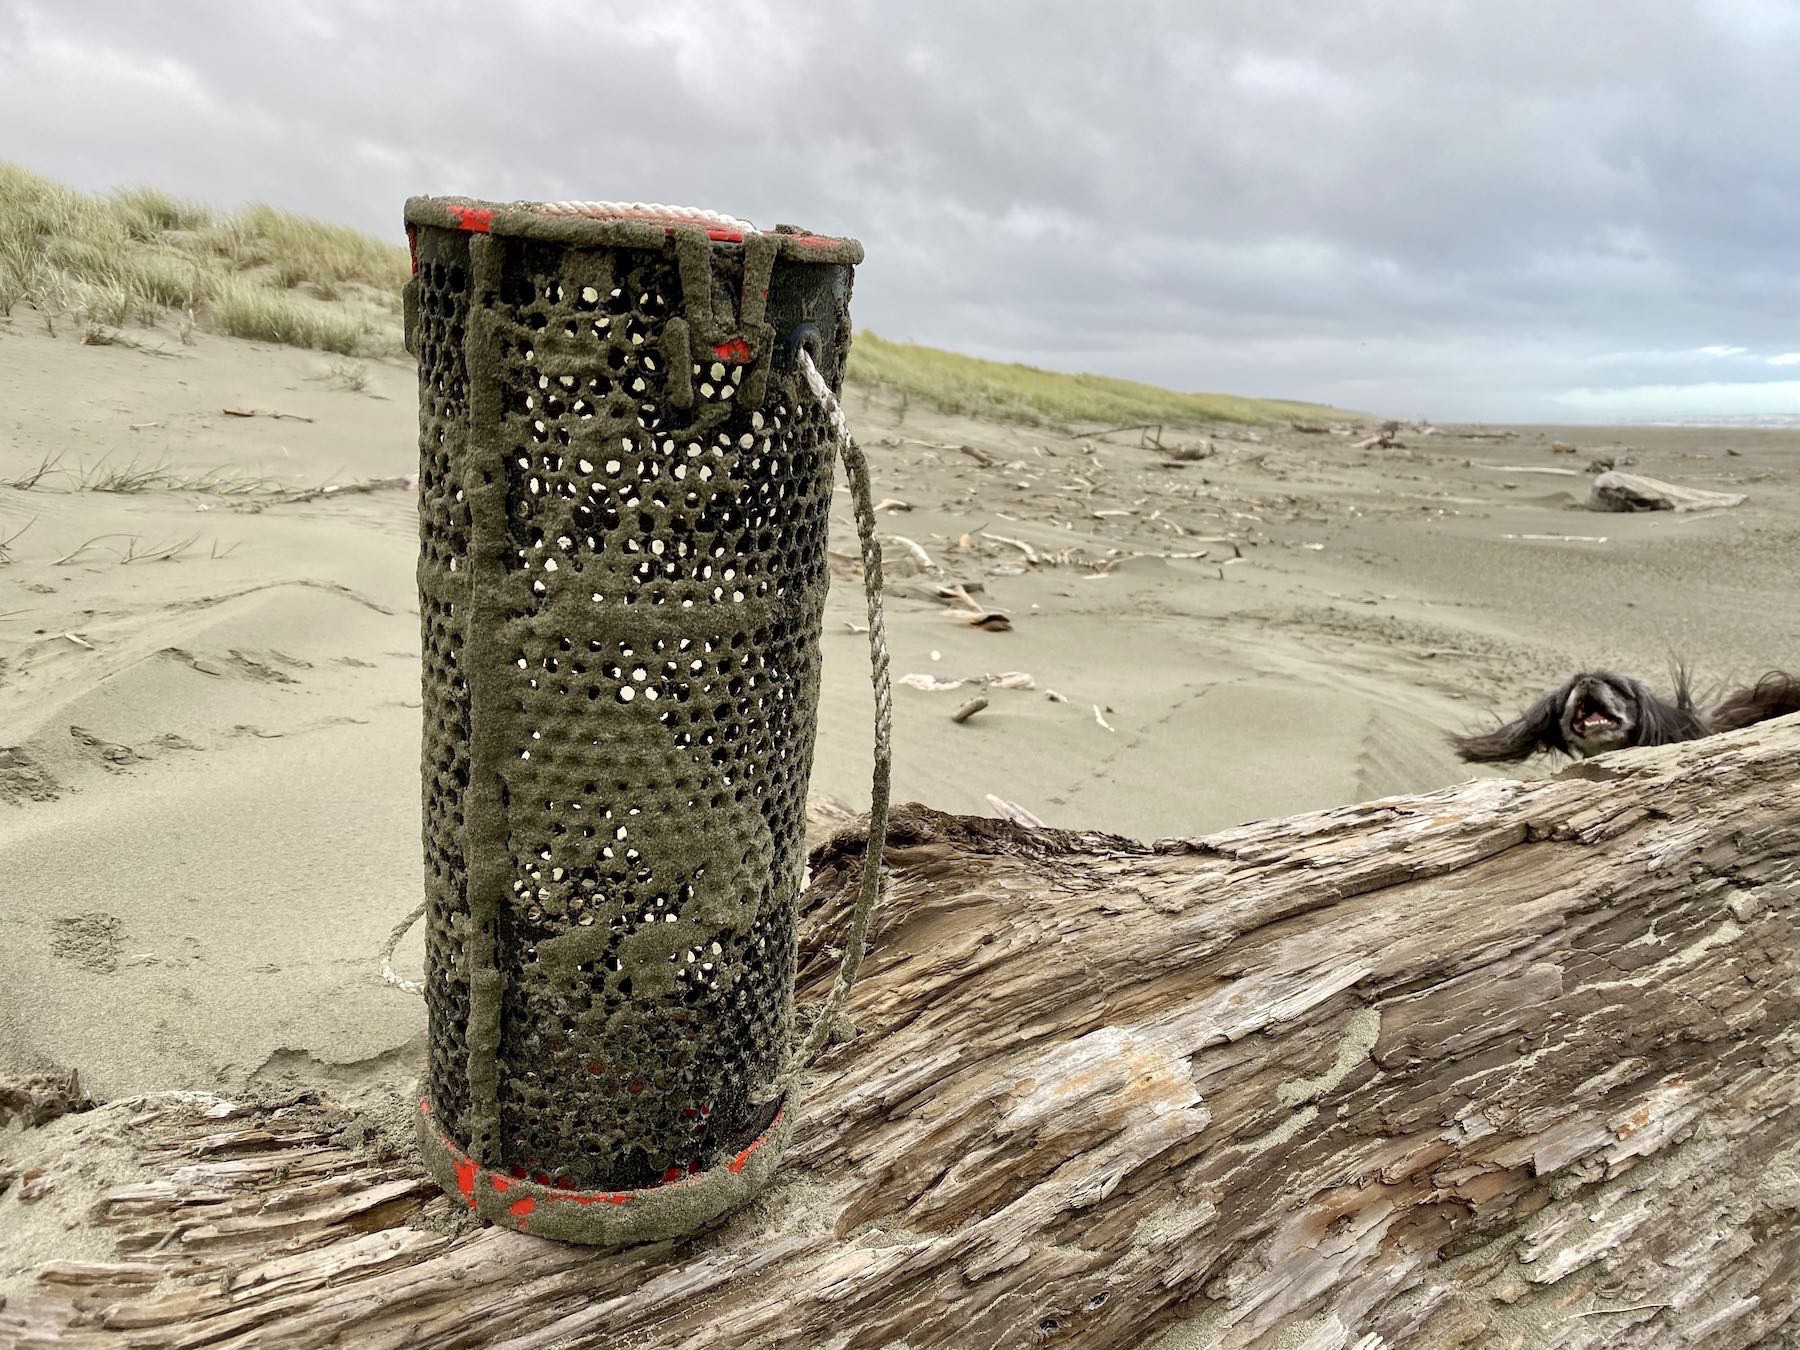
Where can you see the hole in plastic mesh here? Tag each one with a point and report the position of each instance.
(665, 576)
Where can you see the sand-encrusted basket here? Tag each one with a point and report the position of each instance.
(625, 480)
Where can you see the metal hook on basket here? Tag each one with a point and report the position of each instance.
(803, 340)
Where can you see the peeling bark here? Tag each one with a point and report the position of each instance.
(1510, 1064)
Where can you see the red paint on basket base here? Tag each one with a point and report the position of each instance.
(470, 1173)
(735, 350)
(737, 1163)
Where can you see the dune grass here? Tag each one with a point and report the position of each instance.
(135, 255)
(1015, 393)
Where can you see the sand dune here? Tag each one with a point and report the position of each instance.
(208, 781)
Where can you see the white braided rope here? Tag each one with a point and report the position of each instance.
(856, 469)
(687, 215)
(388, 974)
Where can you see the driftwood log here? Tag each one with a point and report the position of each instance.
(1510, 1064)
(1615, 490)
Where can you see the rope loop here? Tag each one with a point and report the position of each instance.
(856, 469)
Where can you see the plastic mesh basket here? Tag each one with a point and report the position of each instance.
(624, 494)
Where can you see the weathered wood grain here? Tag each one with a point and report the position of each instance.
(1504, 1065)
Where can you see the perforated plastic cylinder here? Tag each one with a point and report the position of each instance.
(624, 492)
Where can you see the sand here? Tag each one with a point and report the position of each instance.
(209, 809)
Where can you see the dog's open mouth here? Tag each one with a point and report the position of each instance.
(1590, 717)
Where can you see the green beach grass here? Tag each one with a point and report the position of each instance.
(142, 256)
(1015, 393)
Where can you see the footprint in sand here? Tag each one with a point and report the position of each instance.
(22, 779)
(263, 666)
(268, 671)
(89, 940)
(111, 755)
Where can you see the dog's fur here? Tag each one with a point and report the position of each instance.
(1775, 695)
(1589, 714)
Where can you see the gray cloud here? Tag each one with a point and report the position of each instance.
(1452, 209)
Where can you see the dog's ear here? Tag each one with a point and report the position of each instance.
(1774, 695)
(1661, 723)
(1537, 729)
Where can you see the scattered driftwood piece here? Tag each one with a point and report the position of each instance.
(969, 709)
(973, 612)
(1542, 469)
(1012, 811)
(892, 504)
(1188, 454)
(1617, 491)
(913, 547)
(1561, 448)
(930, 684)
(937, 684)
(981, 457)
(1310, 428)
(1447, 1070)
(1388, 438)
(958, 593)
(1030, 553)
(1502, 435)
(1100, 717)
(1560, 538)
(1149, 434)
(408, 481)
(254, 412)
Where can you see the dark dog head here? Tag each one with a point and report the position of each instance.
(1591, 713)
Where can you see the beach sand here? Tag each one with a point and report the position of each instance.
(209, 807)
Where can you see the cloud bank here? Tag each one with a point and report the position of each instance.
(1460, 209)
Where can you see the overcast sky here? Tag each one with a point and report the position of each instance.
(1450, 208)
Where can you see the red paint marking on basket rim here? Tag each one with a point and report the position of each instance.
(412, 252)
(735, 350)
(465, 1179)
(474, 219)
(719, 236)
(499, 1183)
(816, 241)
(520, 1208)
